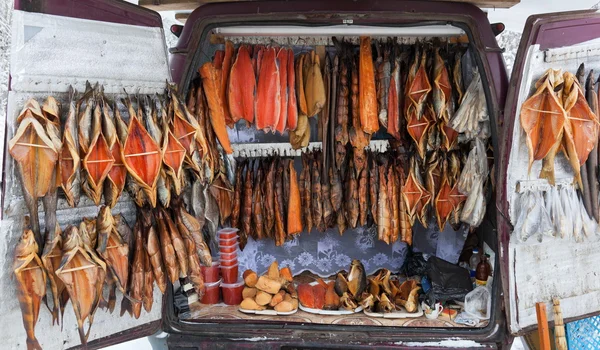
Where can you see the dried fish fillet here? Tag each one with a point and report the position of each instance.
(242, 87)
(368, 98)
(211, 80)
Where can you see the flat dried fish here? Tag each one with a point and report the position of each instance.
(30, 282)
(242, 87)
(36, 157)
(112, 248)
(268, 94)
(292, 112)
(314, 86)
(143, 158)
(83, 274)
(51, 259)
(294, 216)
(282, 61)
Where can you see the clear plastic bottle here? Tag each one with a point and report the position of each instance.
(473, 261)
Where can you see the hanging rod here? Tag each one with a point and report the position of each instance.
(254, 150)
(340, 30)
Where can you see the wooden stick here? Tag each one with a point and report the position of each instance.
(32, 145)
(78, 268)
(559, 327)
(141, 154)
(543, 331)
(99, 161)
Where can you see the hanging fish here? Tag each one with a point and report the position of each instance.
(211, 80)
(292, 111)
(247, 206)
(68, 158)
(307, 190)
(242, 87)
(294, 216)
(279, 210)
(30, 282)
(83, 274)
(314, 86)
(352, 200)
(268, 95)
(384, 217)
(368, 98)
(257, 206)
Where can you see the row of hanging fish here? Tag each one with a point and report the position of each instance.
(96, 152)
(563, 115)
(557, 212)
(265, 86)
(104, 251)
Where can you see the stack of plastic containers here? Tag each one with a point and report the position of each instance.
(231, 286)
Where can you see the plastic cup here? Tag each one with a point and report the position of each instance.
(232, 293)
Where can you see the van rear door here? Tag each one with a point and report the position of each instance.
(536, 272)
(56, 44)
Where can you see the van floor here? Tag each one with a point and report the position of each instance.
(230, 312)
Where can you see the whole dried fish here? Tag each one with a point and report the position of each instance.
(314, 86)
(592, 162)
(133, 305)
(294, 216)
(195, 272)
(373, 186)
(177, 242)
(237, 197)
(86, 118)
(269, 203)
(384, 217)
(392, 188)
(247, 206)
(68, 158)
(282, 61)
(279, 211)
(442, 88)
(153, 250)
(317, 201)
(393, 101)
(363, 196)
(112, 248)
(368, 97)
(300, 95)
(405, 224)
(51, 259)
(194, 227)
(167, 249)
(148, 291)
(83, 274)
(30, 283)
(352, 201)
(306, 195)
(257, 206)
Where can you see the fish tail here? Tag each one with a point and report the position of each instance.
(33, 344)
(82, 336)
(126, 306)
(112, 298)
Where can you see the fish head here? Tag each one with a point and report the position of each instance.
(27, 244)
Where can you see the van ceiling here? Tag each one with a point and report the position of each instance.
(186, 5)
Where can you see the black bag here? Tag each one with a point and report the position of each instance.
(448, 281)
(415, 265)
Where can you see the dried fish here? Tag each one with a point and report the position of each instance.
(68, 158)
(167, 249)
(111, 247)
(363, 196)
(384, 217)
(307, 192)
(177, 242)
(247, 206)
(153, 250)
(316, 194)
(211, 80)
(373, 186)
(237, 197)
(279, 211)
(51, 259)
(352, 200)
(282, 61)
(405, 225)
(30, 283)
(83, 274)
(314, 86)
(242, 87)
(257, 206)
(393, 195)
(592, 161)
(268, 94)
(294, 216)
(143, 158)
(368, 98)
(194, 227)
(195, 272)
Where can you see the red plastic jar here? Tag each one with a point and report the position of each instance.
(212, 294)
(229, 242)
(230, 273)
(228, 262)
(232, 293)
(211, 274)
(229, 249)
(228, 233)
(228, 256)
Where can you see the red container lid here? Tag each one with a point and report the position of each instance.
(213, 285)
(228, 256)
(227, 230)
(229, 267)
(228, 242)
(232, 285)
(229, 249)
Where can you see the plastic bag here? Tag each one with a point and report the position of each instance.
(478, 303)
(415, 265)
(448, 281)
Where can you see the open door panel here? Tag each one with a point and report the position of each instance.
(550, 266)
(55, 45)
